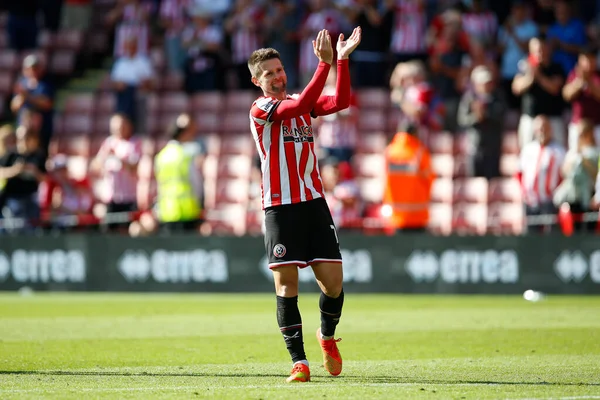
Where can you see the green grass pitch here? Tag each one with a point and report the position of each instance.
(125, 346)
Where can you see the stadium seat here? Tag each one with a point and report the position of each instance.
(441, 190)
(506, 219)
(236, 122)
(9, 60)
(510, 142)
(6, 83)
(442, 165)
(469, 219)
(463, 144)
(371, 189)
(62, 62)
(78, 123)
(463, 166)
(81, 103)
(158, 58)
(378, 99)
(238, 143)
(441, 143)
(67, 39)
(240, 100)
(170, 81)
(392, 120)
(369, 165)
(78, 145)
(504, 190)
(102, 124)
(440, 219)
(208, 102)
(470, 190)
(232, 191)
(208, 122)
(228, 219)
(371, 142)
(372, 121)
(4, 39)
(254, 224)
(234, 166)
(174, 102)
(152, 103)
(509, 164)
(105, 103)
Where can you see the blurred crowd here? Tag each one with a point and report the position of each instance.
(449, 66)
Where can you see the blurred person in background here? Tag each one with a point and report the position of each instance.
(116, 164)
(479, 22)
(481, 115)
(173, 17)
(544, 15)
(579, 171)
(513, 42)
(408, 183)
(76, 14)
(35, 93)
(583, 92)
(177, 169)
(23, 170)
(62, 195)
(539, 83)
(22, 26)
(408, 30)
(132, 76)
(8, 143)
(567, 36)
(342, 193)
(337, 133)
(132, 20)
(477, 56)
(539, 171)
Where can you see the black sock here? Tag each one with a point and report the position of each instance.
(331, 311)
(290, 325)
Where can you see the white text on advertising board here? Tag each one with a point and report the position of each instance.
(358, 267)
(574, 266)
(174, 266)
(54, 266)
(455, 266)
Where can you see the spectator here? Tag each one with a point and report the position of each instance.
(338, 133)
(481, 114)
(202, 40)
(116, 163)
(173, 18)
(21, 26)
(342, 193)
(35, 93)
(579, 170)
(544, 15)
(540, 163)
(7, 147)
(408, 31)
(408, 182)
(131, 77)
(539, 83)
(480, 23)
(244, 27)
(131, 18)
(369, 59)
(177, 171)
(476, 57)
(76, 14)
(583, 92)
(23, 170)
(281, 27)
(513, 40)
(567, 36)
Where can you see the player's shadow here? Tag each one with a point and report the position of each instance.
(347, 378)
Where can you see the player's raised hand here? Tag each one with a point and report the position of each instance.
(322, 47)
(345, 47)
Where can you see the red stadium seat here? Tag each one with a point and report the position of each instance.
(240, 100)
(102, 124)
(371, 189)
(369, 165)
(509, 164)
(208, 102)
(81, 103)
(441, 143)
(470, 190)
(442, 165)
(373, 99)
(6, 83)
(463, 166)
(504, 190)
(171, 81)
(510, 142)
(228, 219)
(469, 219)
(62, 62)
(105, 103)
(372, 121)
(77, 123)
(238, 143)
(255, 221)
(463, 144)
(232, 191)
(4, 39)
(440, 219)
(174, 102)
(68, 40)
(234, 166)
(208, 122)
(441, 190)
(375, 142)
(506, 219)
(236, 122)
(9, 60)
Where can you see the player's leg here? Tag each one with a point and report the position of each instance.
(326, 262)
(286, 252)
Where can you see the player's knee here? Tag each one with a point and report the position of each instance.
(333, 290)
(287, 289)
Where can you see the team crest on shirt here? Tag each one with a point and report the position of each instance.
(279, 250)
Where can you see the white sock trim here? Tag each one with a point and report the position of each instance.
(305, 362)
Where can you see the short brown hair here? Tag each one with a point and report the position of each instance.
(259, 56)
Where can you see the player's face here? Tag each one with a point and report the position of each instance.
(272, 78)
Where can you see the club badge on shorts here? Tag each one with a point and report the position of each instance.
(279, 250)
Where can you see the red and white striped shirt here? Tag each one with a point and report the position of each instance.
(134, 24)
(408, 36)
(290, 171)
(174, 11)
(483, 26)
(120, 183)
(540, 172)
(247, 35)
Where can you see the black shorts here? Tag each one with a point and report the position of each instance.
(301, 234)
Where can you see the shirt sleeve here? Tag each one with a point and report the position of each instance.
(263, 108)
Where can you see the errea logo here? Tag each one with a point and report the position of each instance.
(573, 266)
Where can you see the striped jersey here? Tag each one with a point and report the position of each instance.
(290, 171)
(540, 172)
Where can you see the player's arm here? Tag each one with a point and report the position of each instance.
(291, 108)
(330, 104)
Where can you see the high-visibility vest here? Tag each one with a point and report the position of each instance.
(408, 181)
(176, 200)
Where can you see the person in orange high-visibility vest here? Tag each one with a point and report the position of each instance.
(408, 182)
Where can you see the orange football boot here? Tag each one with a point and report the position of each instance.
(332, 359)
(300, 373)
